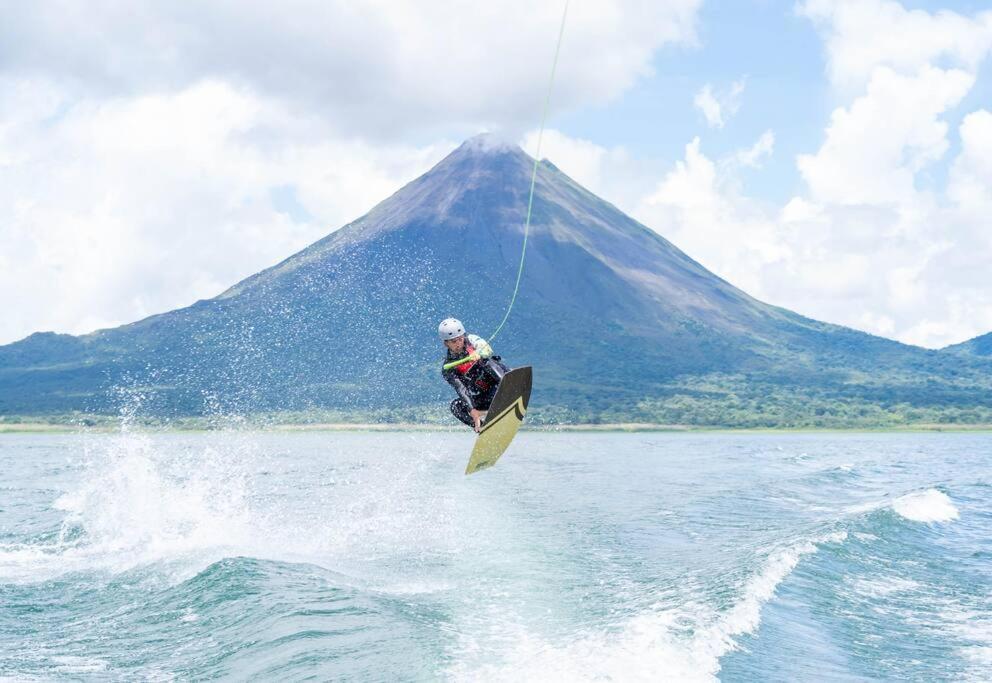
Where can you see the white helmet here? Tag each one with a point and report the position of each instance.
(450, 328)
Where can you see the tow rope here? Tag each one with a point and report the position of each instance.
(533, 176)
(530, 198)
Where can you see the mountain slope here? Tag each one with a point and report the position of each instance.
(979, 346)
(619, 324)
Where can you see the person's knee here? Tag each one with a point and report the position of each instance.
(461, 411)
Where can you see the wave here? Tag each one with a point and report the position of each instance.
(684, 643)
(930, 505)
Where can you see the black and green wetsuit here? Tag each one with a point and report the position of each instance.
(474, 381)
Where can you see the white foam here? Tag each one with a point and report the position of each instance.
(885, 585)
(684, 643)
(979, 655)
(973, 628)
(930, 505)
(746, 614)
(68, 664)
(926, 506)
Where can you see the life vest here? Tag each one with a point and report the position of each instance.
(481, 382)
(465, 367)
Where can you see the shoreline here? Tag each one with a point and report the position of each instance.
(52, 428)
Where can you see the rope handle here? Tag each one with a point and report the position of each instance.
(456, 363)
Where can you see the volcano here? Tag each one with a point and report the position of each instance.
(619, 324)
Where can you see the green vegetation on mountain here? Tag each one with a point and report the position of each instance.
(979, 346)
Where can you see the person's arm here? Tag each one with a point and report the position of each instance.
(452, 379)
(481, 346)
(485, 352)
(462, 392)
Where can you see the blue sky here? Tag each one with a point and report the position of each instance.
(829, 156)
(737, 40)
(783, 61)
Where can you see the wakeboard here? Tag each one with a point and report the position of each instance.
(502, 420)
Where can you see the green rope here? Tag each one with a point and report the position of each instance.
(533, 177)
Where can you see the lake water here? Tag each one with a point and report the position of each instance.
(370, 556)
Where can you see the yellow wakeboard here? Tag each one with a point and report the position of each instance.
(502, 420)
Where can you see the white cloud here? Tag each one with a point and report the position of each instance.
(862, 35)
(698, 206)
(709, 106)
(613, 173)
(114, 210)
(753, 155)
(869, 267)
(875, 147)
(376, 69)
(164, 151)
(930, 249)
(864, 245)
(971, 175)
(719, 107)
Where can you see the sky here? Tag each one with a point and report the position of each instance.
(830, 156)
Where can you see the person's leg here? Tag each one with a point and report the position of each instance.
(461, 410)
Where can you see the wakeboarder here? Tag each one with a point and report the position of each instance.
(476, 378)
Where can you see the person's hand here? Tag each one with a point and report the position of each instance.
(477, 418)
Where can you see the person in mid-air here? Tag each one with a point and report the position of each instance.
(475, 381)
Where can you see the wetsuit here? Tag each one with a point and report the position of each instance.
(475, 382)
